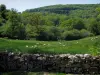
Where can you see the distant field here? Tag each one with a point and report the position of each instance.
(31, 46)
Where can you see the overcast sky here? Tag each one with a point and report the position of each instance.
(22, 5)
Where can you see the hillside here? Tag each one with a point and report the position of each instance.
(81, 10)
(51, 23)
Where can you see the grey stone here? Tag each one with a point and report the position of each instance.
(64, 63)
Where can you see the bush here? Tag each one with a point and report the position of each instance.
(71, 35)
(50, 34)
(94, 27)
(43, 36)
(85, 33)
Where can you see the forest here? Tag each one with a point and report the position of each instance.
(51, 23)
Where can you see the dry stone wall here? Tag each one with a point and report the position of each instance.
(63, 63)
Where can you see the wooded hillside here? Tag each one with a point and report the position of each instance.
(56, 22)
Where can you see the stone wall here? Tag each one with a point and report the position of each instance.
(63, 63)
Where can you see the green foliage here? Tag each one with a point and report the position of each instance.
(75, 10)
(71, 35)
(30, 33)
(14, 28)
(51, 33)
(94, 26)
(2, 7)
(55, 33)
(3, 14)
(5, 29)
(78, 24)
(69, 23)
(51, 23)
(94, 51)
(85, 33)
(3, 11)
(73, 24)
(98, 9)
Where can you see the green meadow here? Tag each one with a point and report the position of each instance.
(56, 47)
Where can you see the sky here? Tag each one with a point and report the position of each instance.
(22, 5)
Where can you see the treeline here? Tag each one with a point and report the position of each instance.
(71, 10)
(82, 21)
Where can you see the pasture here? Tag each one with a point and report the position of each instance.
(56, 47)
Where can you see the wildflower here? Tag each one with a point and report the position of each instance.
(31, 46)
(63, 45)
(37, 43)
(59, 42)
(76, 42)
(92, 39)
(26, 45)
(48, 44)
(35, 46)
(96, 37)
(44, 44)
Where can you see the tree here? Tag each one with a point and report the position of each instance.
(78, 24)
(30, 31)
(75, 23)
(54, 33)
(34, 19)
(71, 35)
(5, 30)
(2, 7)
(85, 33)
(94, 27)
(43, 35)
(15, 27)
(3, 11)
(1, 21)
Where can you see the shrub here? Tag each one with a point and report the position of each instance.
(52, 33)
(85, 33)
(94, 51)
(71, 35)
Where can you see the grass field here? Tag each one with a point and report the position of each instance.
(31, 46)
